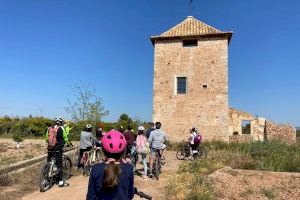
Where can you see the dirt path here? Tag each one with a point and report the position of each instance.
(78, 185)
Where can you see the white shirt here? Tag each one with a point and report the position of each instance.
(192, 137)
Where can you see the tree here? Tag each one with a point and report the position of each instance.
(87, 106)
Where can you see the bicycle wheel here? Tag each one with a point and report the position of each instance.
(202, 153)
(87, 169)
(45, 181)
(67, 167)
(181, 154)
(87, 165)
(157, 167)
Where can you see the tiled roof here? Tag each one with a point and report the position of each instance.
(190, 26)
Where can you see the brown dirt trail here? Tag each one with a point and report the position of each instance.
(78, 185)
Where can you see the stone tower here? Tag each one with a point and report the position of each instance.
(190, 87)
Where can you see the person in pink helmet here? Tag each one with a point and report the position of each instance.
(111, 179)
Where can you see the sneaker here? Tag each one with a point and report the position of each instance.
(145, 177)
(63, 185)
(151, 175)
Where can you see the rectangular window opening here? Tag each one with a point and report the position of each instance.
(181, 85)
(205, 86)
(246, 127)
(189, 43)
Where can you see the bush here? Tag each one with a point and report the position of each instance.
(17, 137)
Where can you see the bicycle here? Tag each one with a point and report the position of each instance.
(49, 172)
(185, 152)
(156, 168)
(90, 158)
(141, 194)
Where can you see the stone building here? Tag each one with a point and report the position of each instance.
(190, 87)
(191, 80)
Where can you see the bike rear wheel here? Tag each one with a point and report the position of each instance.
(180, 155)
(67, 167)
(202, 153)
(87, 169)
(45, 181)
(157, 167)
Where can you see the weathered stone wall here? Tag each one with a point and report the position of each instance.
(240, 138)
(282, 132)
(235, 126)
(205, 108)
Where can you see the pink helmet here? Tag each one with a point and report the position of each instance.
(113, 142)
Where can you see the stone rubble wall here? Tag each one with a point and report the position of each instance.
(281, 132)
(261, 129)
(240, 138)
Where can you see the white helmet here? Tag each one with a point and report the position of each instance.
(60, 118)
(88, 126)
(141, 128)
(56, 119)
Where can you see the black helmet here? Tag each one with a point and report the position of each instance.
(194, 129)
(157, 125)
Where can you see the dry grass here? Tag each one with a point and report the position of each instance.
(20, 183)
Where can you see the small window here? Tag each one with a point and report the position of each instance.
(181, 85)
(189, 43)
(205, 86)
(246, 127)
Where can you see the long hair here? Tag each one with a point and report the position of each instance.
(112, 171)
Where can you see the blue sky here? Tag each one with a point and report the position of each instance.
(48, 46)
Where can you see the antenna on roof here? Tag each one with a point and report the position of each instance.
(190, 5)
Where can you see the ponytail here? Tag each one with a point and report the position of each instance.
(112, 171)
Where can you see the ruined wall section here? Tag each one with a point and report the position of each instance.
(282, 132)
(235, 126)
(205, 108)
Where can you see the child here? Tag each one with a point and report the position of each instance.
(142, 147)
(111, 179)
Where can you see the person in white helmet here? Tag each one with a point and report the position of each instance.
(142, 147)
(86, 138)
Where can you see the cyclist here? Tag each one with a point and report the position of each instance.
(121, 129)
(142, 147)
(194, 140)
(129, 139)
(157, 141)
(111, 179)
(99, 132)
(56, 138)
(86, 138)
(152, 128)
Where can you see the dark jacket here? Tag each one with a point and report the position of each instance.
(129, 137)
(124, 190)
(149, 131)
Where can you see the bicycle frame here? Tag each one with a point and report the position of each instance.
(52, 164)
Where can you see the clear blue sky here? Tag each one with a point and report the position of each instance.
(47, 46)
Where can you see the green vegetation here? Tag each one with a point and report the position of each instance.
(272, 156)
(191, 176)
(268, 192)
(35, 127)
(86, 106)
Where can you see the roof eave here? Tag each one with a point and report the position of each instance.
(228, 35)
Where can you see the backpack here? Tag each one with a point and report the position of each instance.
(144, 149)
(52, 135)
(197, 139)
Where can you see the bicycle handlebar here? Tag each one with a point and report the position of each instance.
(141, 194)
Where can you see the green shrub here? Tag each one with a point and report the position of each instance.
(17, 137)
(268, 192)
